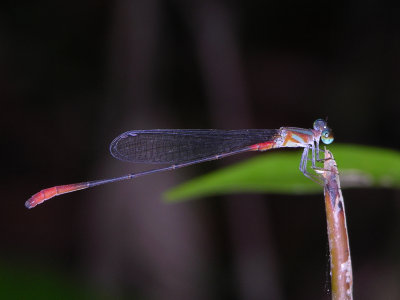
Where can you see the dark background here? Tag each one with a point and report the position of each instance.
(75, 74)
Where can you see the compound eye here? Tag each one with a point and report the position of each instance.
(319, 124)
(327, 136)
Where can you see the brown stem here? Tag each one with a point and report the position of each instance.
(341, 269)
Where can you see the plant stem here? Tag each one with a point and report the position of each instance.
(341, 269)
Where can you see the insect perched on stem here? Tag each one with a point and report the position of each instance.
(184, 147)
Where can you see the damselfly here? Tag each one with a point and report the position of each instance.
(184, 147)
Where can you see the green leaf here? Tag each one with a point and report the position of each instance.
(278, 172)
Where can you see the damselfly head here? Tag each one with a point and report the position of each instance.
(326, 133)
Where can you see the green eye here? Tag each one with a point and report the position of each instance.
(327, 136)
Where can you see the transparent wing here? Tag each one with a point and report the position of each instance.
(175, 146)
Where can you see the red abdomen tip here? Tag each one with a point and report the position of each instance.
(40, 197)
(49, 193)
(34, 200)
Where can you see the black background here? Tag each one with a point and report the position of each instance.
(75, 74)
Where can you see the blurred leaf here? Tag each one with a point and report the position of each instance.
(278, 172)
(21, 281)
